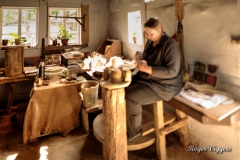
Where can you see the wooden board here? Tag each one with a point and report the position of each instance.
(16, 78)
(56, 85)
(218, 113)
(150, 126)
(110, 48)
(85, 33)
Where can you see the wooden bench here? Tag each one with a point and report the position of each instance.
(228, 114)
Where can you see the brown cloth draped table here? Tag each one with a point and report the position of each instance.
(51, 109)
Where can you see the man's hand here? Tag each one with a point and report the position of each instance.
(142, 65)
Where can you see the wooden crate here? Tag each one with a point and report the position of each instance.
(109, 48)
(14, 61)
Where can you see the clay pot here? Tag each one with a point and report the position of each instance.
(17, 41)
(4, 41)
(127, 75)
(105, 74)
(115, 75)
(64, 41)
(135, 40)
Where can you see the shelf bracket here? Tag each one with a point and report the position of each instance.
(76, 18)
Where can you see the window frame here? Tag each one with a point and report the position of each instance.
(79, 27)
(19, 19)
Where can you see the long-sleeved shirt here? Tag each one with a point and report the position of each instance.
(165, 60)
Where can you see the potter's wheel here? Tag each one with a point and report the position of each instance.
(110, 86)
(143, 142)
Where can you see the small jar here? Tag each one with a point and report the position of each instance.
(115, 75)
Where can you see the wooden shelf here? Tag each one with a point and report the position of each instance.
(50, 47)
(59, 49)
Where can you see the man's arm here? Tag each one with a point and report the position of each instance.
(172, 58)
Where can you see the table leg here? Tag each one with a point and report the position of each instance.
(183, 131)
(114, 112)
(10, 98)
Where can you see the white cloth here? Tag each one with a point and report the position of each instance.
(206, 101)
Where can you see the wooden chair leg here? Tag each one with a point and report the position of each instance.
(159, 124)
(183, 131)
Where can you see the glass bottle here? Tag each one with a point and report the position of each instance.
(41, 70)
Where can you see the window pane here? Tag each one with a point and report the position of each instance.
(9, 28)
(54, 29)
(29, 27)
(134, 27)
(29, 15)
(72, 26)
(74, 38)
(9, 23)
(31, 38)
(71, 13)
(10, 15)
(56, 12)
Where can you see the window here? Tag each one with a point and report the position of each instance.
(21, 21)
(70, 24)
(134, 27)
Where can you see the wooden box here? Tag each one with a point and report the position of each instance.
(109, 48)
(14, 61)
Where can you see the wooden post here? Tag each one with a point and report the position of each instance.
(10, 98)
(114, 112)
(159, 124)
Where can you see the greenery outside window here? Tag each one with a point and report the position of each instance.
(21, 21)
(70, 24)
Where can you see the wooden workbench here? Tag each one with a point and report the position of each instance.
(228, 114)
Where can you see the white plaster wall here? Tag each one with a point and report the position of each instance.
(208, 28)
(118, 28)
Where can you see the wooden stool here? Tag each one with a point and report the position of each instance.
(173, 122)
(154, 131)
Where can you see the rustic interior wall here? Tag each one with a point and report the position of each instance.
(208, 28)
(98, 26)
